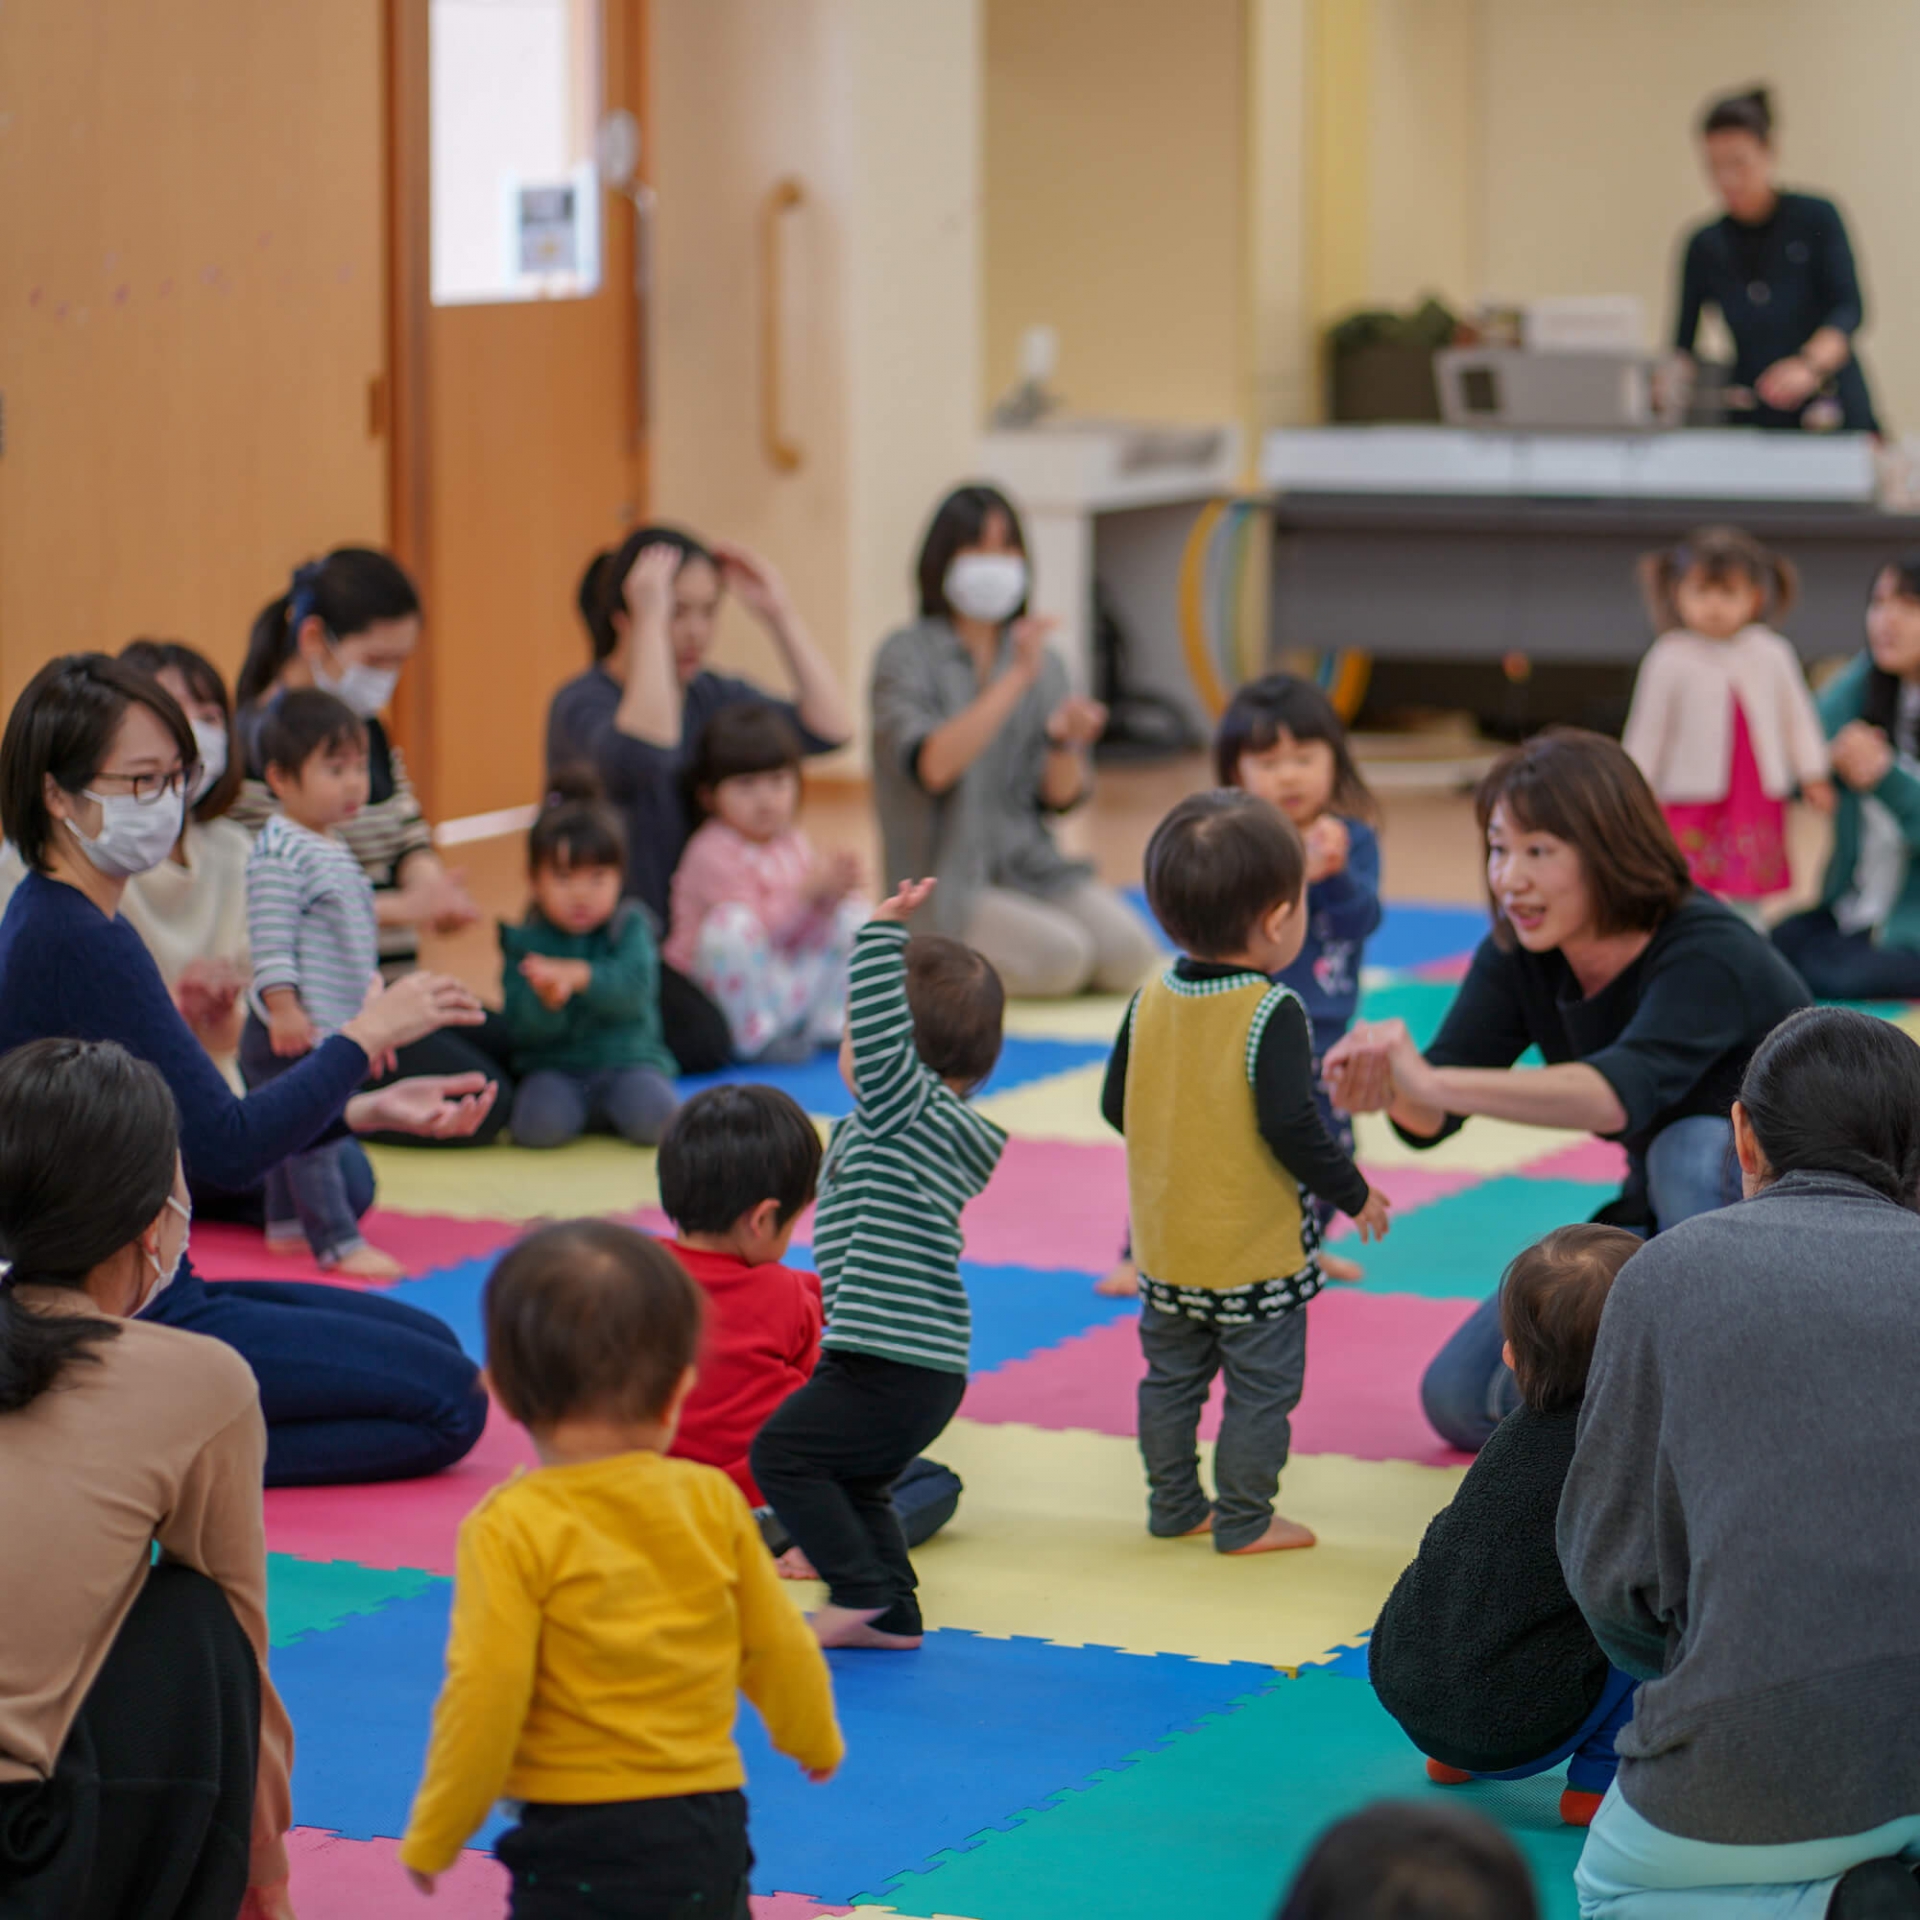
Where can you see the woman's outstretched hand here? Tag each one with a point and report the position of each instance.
(414, 1006)
(1359, 1066)
(1862, 755)
(436, 1106)
(1077, 722)
(908, 898)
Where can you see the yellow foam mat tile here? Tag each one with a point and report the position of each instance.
(1064, 1107)
(1482, 1145)
(1051, 1541)
(1094, 1017)
(592, 1175)
(1909, 1022)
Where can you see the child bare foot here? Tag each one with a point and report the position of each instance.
(369, 1263)
(287, 1246)
(853, 1627)
(1195, 1533)
(794, 1565)
(1337, 1267)
(1119, 1283)
(1281, 1534)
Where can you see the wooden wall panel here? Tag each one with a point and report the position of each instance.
(192, 308)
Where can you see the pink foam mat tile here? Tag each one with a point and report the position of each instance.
(1454, 967)
(398, 1523)
(1365, 1355)
(419, 1241)
(1596, 1160)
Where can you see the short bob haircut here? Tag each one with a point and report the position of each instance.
(63, 727)
(731, 1148)
(305, 722)
(589, 1318)
(1284, 703)
(1551, 1299)
(1217, 865)
(751, 736)
(602, 589)
(575, 826)
(205, 684)
(959, 1008)
(959, 522)
(1584, 789)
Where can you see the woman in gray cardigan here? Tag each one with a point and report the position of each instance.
(1738, 1523)
(977, 740)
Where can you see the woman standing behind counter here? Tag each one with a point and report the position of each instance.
(1780, 269)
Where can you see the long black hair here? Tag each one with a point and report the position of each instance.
(88, 1146)
(1833, 1090)
(1880, 701)
(351, 589)
(958, 523)
(602, 590)
(1747, 112)
(206, 684)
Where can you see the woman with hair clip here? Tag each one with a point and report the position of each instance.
(95, 765)
(348, 624)
(1736, 1526)
(1779, 268)
(651, 606)
(143, 1751)
(1862, 942)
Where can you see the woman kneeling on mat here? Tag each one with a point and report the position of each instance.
(135, 1711)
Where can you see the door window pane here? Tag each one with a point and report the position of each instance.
(515, 101)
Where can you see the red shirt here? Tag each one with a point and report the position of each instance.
(763, 1336)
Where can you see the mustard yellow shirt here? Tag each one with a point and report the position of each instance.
(605, 1617)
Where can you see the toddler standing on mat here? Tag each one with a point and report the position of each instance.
(582, 985)
(609, 1607)
(1722, 723)
(923, 1032)
(760, 920)
(1212, 1083)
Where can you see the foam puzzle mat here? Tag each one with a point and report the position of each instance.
(1099, 1722)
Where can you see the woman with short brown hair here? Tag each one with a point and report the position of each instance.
(1645, 996)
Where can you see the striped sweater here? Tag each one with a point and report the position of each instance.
(898, 1172)
(310, 921)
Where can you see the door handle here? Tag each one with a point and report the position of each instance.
(784, 455)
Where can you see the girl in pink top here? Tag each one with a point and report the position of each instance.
(1722, 723)
(763, 922)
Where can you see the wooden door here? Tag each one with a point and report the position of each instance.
(528, 432)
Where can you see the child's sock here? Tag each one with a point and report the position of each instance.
(1443, 1775)
(1576, 1808)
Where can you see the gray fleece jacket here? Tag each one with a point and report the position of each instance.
(1741, 1526)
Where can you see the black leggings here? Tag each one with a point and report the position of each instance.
(684, 1857)
(483, 1049)
(695, 1029)
(149, 1813)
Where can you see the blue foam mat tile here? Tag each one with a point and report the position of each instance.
(935, 1757)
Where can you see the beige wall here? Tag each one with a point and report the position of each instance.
(1115, 200)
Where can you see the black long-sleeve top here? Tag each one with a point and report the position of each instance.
(1777, 282)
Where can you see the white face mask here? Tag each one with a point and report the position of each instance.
(986, 586)
(363, 688)
(211, 739)
(135, 836)
(164, 1277)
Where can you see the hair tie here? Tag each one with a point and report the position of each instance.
(304, 593)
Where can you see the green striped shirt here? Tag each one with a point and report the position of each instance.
(898, 1172)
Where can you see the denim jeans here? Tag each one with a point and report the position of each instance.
(1846, 966)
(1466, 1390)
(551, 1108)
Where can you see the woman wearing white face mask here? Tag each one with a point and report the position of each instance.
(348, 624)
(126, 1686)
(977, 739)
(94, 768)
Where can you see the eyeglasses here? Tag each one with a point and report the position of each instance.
(149, 788)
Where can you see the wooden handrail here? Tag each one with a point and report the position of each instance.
(783, 454)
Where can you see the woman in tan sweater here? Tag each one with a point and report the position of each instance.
(144, 1756)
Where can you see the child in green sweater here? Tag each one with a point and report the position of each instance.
(582, 984)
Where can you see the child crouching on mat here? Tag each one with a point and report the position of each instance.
(737, 1167)
(1480, 1652)
(609, 1606)
(1212, 1083)
(923, 1032)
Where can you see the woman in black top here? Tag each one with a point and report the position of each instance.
(1646, 997)
(1780, 269)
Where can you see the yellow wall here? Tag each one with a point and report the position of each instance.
(191, 308)
(1115, 200)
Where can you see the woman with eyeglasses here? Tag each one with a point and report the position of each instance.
(95, 767)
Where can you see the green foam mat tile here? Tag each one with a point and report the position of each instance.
(1219, 1820)
(311, 1596)
(1458, 1247)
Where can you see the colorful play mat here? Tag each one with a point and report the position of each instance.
(1099, 1722)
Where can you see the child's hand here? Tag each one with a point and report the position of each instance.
(288, 1027)
(555, 981)
(1327, 843)
(422, 1882)
(1862, 755)
(834, 876)
(910, 897)
(1372, 1218)
(1819, 795)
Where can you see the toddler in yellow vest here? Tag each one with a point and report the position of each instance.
(1212, 1083)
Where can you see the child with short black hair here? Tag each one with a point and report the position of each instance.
(924, 1021)
(1211, 1082)
(581, 984)
(1406, 1860)
(761, 920)
(609, 1606)
(316, 952)
(1480, 1652)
